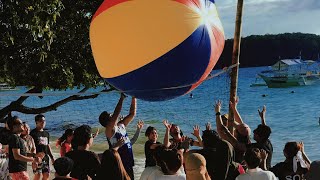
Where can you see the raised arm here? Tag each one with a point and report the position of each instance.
(126, 120)
(166, 141)
(196, 133)
(137, 133)
(219, 123)
(114, 117)
(304, 155)
(262, 115)
(236, 113)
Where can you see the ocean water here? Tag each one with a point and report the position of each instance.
(292, 113)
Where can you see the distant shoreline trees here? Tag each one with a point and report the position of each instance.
(265, 50)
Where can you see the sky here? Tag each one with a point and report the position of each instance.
(271, 16)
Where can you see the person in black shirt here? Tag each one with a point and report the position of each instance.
(150, 145)
(296, 164)
(261, 135)
(41, 139)
(86, 163)
(17, 152)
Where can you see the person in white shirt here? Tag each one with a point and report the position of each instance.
(253, 158)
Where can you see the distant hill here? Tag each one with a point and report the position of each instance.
(265, 50)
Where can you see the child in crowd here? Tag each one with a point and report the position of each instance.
(63, 167)
(65, 142)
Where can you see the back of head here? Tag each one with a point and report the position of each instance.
(112, 167)
(252, 158)
(171, 161)
(104, 118)
(210, 138)
(195, 167)
(81, 136)
(63, 166)
(263, 131)
(291, 149)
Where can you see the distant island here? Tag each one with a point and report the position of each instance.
(265, 50)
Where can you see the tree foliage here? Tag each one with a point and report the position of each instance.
(45, 44)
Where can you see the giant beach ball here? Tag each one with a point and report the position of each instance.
(156, 50)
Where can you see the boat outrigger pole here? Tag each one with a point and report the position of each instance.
(235, 59)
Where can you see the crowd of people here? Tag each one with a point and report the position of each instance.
(226, 153)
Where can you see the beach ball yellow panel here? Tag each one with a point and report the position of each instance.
(156, 49)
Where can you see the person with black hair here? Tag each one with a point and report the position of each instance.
(63, 167)
(261, 135)
(170, 166)
(253, 158)
(5, 135)
(115, 130)
(17, 152)
(296, 164)
(65, 142)
(42, 141)
(219, 156)
(29, 142)
(86, 163)
(178, 140)
(241, 138)
(112, 166)
(150, 145)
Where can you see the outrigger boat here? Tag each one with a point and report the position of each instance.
(292, 72)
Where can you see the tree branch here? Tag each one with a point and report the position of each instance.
(13, 105)
(54, 106)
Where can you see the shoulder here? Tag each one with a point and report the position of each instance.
(33, 131)
(269, 174)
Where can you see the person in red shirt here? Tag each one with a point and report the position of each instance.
(65, 142)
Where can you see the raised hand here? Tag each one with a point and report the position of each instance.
(196, 131)
(301, 145)
(166, 124)
(140, 124)
(263, 154)
(208, 126)
(119, 143)
(217, 107)
(96, 134)
(263, 112)
(235, 103)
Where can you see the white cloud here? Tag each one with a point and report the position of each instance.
(271, 16)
